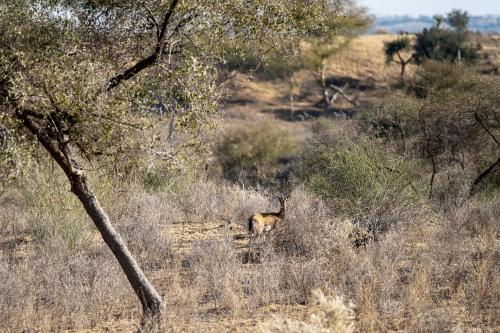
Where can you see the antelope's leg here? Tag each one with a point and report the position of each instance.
(250, 241)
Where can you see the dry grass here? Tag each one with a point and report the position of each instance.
(434, 270)
(364, 59)
(435, 273)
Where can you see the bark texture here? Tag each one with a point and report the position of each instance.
(151, 301)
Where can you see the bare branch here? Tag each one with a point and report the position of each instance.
(151, 17)
(483, 175)
(149, 60)
(111, 119)
(478, 119)
(349, 98)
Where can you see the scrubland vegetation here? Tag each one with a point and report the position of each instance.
(393, 218)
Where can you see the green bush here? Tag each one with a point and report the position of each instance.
(392, 118)
(254, 155)
(436, 76)
(442, 44)
(357, 176)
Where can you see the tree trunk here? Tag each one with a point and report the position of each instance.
(403, 68)
(151, 301)
(152, 304)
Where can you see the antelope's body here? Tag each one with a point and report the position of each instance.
(264, 222)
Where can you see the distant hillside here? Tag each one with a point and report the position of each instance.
(395, 24)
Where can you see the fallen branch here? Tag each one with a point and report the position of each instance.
(350, 98)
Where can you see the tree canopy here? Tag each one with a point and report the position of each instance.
(443, 44)
(92, 80)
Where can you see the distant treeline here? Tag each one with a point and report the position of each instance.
(395, 24)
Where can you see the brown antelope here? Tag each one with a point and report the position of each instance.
(264, 222)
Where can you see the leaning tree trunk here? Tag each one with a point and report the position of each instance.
(151, 301)
(483, 175)
(152, 304)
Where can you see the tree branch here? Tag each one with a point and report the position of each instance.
(153, 20)
(46, 142)
(350, 99)
(478, 119)
(483, 175)
(149, 60)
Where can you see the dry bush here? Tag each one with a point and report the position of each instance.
(333, 316)
(225, 284)
(311, 230)
(433, 270)
(144, 221)
(51, 288)
(216, 269)
(58, 273)
(430, 272)
(208, 201)
(469, 243)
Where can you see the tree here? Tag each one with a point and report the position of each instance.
(458, 20)
(397, 48)
(439, 43)
(459, 122)
(440, 19)
(341, 29)
(450, 120)
(91, 80)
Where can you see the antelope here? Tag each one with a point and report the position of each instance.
(264, 222)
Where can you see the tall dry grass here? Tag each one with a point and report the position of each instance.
(432, 270)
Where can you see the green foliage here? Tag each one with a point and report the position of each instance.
(392, 48)
(435, 76)
(271, 66)
(118, 95)
(356, 175)
(346, 21)
(394, 118)
(436, 43)
(395, 52)
(461, 123)
(254, 155)
(458, 20)
(442, 44)
(452, 124)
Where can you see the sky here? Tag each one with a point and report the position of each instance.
(430, 7)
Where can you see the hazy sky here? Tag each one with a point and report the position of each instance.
(431, 7)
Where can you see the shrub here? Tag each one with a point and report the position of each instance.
(358, 177)
(394, 118)
(333, 315)
(443, 44)
(452, 127)
(435, 76)
(254, 155)
(459, 126)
